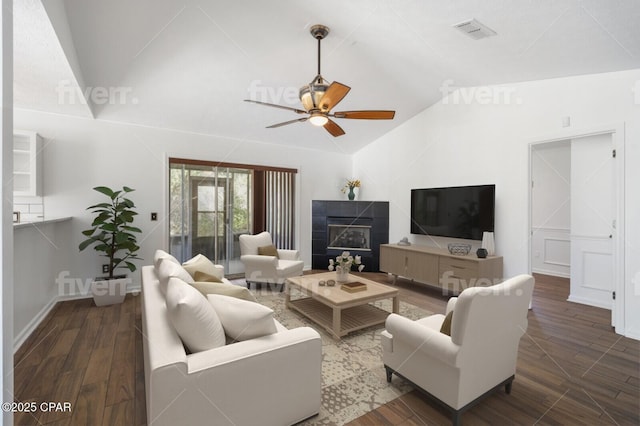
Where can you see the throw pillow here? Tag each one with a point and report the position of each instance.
(238, 292)
(161, 254)
(203, 264)
(194, 319)
(268, 251)
(241, 319)
(204, 277)
(446, 324)
(168, 269)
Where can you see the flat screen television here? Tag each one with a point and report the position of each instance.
(456, 212)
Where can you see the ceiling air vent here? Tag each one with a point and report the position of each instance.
(475, 29)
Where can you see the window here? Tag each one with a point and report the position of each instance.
(212, 204)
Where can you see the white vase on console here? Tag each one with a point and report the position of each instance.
(488, 243)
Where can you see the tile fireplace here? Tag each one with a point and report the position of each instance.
(355, 226)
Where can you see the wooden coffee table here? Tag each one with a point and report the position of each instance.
(336, 310)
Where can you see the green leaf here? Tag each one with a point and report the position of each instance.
(110, 227)
(100, 206)
(131, 266)
(131, 229)
(86, 243)
(104, 190)
(127, 203)
(126, 216)
(121, 237)
(100, 219)
(127, 189)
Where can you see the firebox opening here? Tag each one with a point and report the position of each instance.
(350, 237)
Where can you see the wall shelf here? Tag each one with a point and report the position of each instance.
(27, 164)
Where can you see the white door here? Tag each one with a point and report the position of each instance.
(592, 221)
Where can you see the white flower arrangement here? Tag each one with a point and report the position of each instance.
(344, 262)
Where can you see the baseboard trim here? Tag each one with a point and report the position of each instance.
(23, 335)
(550, 273)
(632, 334)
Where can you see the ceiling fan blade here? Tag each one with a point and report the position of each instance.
(299, 111)
(334, 94)
(366, 115)
(334, 129)
(297, 120)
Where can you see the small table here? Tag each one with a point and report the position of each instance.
(338, 311)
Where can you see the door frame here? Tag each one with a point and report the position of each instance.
(617, 132)
(215, 182)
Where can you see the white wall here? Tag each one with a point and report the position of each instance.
(39, 250)
(82, 153)
(6, 215)
(551, 208)
(457, 142)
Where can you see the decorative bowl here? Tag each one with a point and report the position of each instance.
(459, 249)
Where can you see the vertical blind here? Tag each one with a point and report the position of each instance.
(280, 207)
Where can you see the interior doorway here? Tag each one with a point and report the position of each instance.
(576, 228)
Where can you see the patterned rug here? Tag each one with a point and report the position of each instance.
(353, 376)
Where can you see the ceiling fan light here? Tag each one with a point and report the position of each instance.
(318, 119)
(319, 90)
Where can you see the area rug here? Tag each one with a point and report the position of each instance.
(353, 376)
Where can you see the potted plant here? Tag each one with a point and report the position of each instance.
(112, 235)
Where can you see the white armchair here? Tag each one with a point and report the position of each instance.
(264, 268)
(479, 355)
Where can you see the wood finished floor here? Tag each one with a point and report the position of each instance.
(572, 368)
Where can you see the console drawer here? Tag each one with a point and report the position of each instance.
(458, 268)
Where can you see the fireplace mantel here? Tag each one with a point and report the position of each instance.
(355, 226)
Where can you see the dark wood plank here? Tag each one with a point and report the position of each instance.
(89, 407)
(118, 414)
(572, 367)
(122, 376)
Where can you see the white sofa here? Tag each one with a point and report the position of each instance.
(271, 380)
(480, 353)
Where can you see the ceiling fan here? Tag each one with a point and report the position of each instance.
(318, 99)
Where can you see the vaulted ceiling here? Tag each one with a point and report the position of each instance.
(188, 64)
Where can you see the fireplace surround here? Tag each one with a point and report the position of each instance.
(355, 226)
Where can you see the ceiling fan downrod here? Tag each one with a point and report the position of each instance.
(311, 94)
(319, 32)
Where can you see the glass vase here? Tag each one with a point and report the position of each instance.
(342, 274)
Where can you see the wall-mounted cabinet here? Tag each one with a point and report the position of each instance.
(27, 164)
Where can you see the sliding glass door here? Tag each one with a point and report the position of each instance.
(210, 207)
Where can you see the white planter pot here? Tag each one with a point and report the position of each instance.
(109, 292)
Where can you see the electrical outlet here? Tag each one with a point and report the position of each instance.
(105, 269)
(154, 216)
